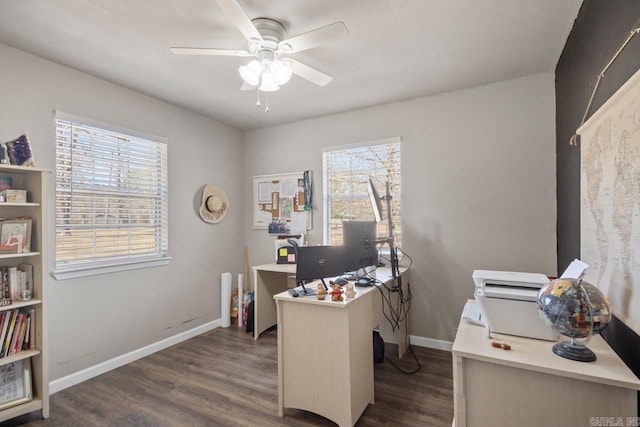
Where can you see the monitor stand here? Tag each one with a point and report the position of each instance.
(306, 292)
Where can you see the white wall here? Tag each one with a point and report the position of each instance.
(478, 181)
(478, 192)
(94, 319)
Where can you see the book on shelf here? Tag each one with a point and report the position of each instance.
(18, 331)
(14, 286)
(5, 282)
(15, 337)
(21, 333)
(7, 339)
(6, 316)
(26, 343)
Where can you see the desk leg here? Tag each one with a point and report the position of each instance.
(280, 365)
(267, 284)
(459, 407)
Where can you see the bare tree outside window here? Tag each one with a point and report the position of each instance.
(346, 172)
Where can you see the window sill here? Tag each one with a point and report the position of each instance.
(72, 273)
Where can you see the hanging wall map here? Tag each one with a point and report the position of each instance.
(279, 203)
(610, 200)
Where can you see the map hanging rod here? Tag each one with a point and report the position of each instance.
(574, 137)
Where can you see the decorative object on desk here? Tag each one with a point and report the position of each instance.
(576, 309)
(501, 345)
(15, 236)
(19, 152)
(214, 204)
(322, 292)
(350, 292)
(336, 293)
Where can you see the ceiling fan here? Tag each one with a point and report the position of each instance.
(269, 47)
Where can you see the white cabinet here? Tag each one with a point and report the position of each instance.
(529, 385)
(35, 182)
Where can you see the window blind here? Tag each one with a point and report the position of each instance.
(346, 172)
(111, 196)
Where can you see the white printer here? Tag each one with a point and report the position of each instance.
(508, 303)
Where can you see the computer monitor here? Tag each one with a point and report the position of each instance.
(318, 262)
(376, 202)
(359, 242)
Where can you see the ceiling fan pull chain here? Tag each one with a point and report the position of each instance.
(266, 100)
(257, 96)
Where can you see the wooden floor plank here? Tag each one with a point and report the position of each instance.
(225, 378)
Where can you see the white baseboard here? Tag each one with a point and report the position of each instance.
(93, 371)
(431, 343)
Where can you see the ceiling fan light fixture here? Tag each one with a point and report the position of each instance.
(250, 73)
(268, 84)
(282, 71)
(267, 40)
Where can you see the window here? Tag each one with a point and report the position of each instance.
(346, 172)
(111, 198)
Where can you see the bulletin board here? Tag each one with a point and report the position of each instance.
(279, 203)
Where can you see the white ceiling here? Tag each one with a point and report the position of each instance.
(396, 49)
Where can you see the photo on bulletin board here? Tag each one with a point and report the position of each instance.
(279, 202)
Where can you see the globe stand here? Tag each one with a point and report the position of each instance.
(574, 350)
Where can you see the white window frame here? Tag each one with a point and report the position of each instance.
(326, 211)
(108, 264)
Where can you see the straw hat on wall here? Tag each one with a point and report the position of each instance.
(214, 204)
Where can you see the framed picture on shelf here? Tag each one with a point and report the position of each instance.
(15, 236)
(15, 383)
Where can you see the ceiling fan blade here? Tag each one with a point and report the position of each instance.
(240, 19)
(207, 51)
(324, 35)
(311, 74)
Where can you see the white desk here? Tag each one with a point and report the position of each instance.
(325, 354)
(530, 386)
(271, 279)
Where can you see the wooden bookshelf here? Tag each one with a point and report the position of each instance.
(35, 181)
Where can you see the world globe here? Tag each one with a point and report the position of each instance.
(576, 309)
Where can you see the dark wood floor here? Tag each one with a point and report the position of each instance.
(225, 378)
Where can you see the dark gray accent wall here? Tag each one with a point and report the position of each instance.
(598, 32)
